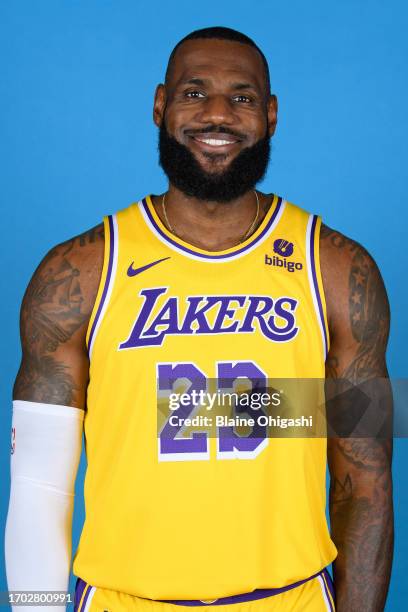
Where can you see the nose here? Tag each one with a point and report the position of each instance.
(217, 109)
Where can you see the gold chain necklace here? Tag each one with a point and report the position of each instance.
(247, 233)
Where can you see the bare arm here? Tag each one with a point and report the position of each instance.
(54, 319)
(361, 509)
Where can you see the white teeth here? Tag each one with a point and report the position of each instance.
(215, 142)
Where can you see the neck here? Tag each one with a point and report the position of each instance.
(213, 226)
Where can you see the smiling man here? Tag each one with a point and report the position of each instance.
(210, 281)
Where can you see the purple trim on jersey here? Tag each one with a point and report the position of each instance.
(86, 598)
(79, 589)
(196, 253)
(243, 597)
(326, 590)
(107, 281)
(329, 585)
(315, 283)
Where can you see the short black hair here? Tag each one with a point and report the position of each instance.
(221, 33)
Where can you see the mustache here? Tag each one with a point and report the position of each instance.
(216, 129)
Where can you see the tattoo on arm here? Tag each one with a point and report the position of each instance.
(45, 379)
(369, 319)
(53, 311)
(361, 523)
(368, 313)
(361, 487)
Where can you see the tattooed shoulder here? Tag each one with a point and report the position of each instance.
(357, 305)
(54, 316)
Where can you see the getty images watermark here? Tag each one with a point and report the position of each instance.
(191, 406)
(251, 405)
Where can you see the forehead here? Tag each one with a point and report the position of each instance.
(212, 58)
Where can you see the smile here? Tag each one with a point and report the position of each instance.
(215, 141)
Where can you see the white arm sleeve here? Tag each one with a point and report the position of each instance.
(46, 449)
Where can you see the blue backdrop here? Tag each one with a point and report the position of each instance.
(78, 142)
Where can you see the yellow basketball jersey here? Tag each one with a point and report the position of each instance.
(196, 516)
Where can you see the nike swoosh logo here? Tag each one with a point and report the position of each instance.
(133, 271)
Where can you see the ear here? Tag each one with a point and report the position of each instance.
(272, 114)
(159, 106)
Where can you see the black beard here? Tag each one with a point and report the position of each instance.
(185, 172)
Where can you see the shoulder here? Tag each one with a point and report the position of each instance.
(340, 256)
(356, 298)
(344, 259)
(69, 274)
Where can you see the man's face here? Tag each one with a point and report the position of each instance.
(213, 110)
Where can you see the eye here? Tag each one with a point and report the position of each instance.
(194, 94)
(242, 98)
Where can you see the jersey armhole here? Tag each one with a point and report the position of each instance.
(106, 281)
(316, 280)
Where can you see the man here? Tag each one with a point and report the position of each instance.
(211, 280)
